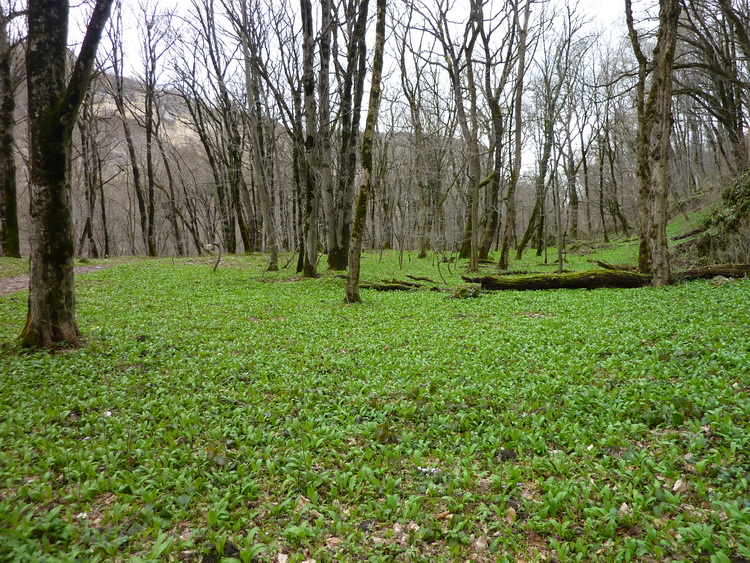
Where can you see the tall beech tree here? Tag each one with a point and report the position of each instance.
(53, 110)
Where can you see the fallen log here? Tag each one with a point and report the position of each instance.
(604, 278)
(420, 278)
(708, 272)
(391, 286)
(694, 232)
(607, 266)
(590, 279)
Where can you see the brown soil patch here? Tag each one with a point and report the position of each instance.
(19, 283)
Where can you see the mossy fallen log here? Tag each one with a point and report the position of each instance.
(607, 266)
(420, 278)
(603, 278)
(708, 272)
(392, 285)
(698, 231)
(590, 279)
(388, 287)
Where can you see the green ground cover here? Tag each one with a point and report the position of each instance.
(252, 414)
(13, 267)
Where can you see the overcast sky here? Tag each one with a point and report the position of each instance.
(607, 15)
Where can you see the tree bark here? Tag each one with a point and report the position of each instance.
(312, 204)
(91, 180)
(9, 236)
(368, 140)
(510, 205)
(669, 16)
(53, 109)
(350, 108)
(642, 140)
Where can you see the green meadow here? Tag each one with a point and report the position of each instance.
(242, 415)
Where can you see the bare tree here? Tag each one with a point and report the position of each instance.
(652, 138)
(351, 79)
(714, 47)
(260, 173)
(9, 235)
(311, 180)
(117, 87)
(559, 63)
(53, 109)
(510, 205)
(368, 140)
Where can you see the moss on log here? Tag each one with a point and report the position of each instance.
(420, 278)
(392, 285)
(708, 272)
(596, 279)
(607, 266)
(590, 279)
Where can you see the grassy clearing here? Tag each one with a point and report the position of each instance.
(249, 414)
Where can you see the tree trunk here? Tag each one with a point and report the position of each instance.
(254, 127)
(118, 94)
(173, 215)
(351, 105)
(571, 171)
(536, 221)
(103, 210)
(91, 181)
(9, 237)
(368, 140)
(310, 266)
(150, 96)
(669, 17)
(642, 141)
(53, 109)
(510, 205)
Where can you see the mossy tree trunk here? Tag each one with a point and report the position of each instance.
(652, 138)
(352, 94)
(310, 265)
(53, 109)
(664, 54)
(510, 205)
(9, 236)
(642, 136)
(368, 140)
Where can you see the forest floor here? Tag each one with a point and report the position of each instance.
(254, 416)
(14, 283)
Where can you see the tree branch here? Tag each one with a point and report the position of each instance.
(79, 79)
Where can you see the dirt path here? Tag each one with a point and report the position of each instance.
(19, 283)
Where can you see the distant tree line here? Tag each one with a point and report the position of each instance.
(503, 127)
